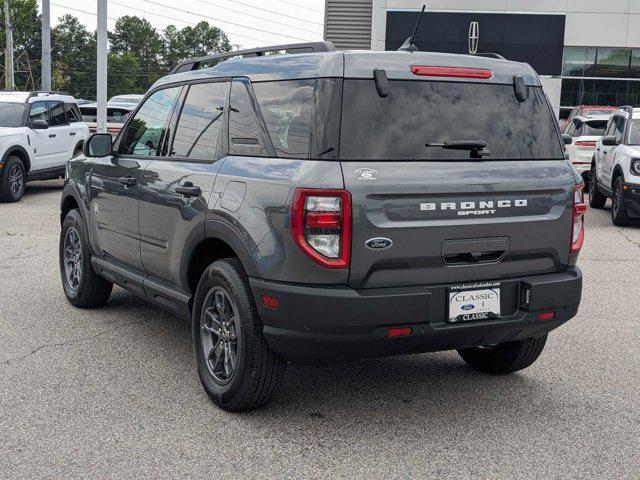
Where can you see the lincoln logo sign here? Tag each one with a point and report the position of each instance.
(485, 207)
(474, 37)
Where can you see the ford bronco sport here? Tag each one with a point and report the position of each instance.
(39, 132)
(319, 206)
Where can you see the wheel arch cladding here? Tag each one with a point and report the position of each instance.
(212, 242)
(21, 153)
(617, 172)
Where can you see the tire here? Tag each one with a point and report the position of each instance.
(505, 357)
(619, 215)
(84, 289)
(596, 198)
(13, 180)
(225, 320)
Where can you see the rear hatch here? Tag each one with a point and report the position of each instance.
(430, 215)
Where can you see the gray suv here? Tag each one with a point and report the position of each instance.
(303, 204)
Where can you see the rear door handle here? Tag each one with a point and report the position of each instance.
(52, 135)
(72, 133)
(189, 190)
(128, 181)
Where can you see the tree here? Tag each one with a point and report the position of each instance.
(27, 40)
(119, 77)
(73, 58)
(137, 37)
(191, 42)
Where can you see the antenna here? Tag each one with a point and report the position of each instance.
(408, 45)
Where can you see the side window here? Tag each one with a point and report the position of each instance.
(577, 130)
(619, 129)
(147, 129)
(246, 135)
(287, 109)
(57, 114)
(38, 111)
(73, 112)
(199, 130)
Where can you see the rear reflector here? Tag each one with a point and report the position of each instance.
(577, 226)
(458, 72)
(399, 332)
(546, 315)
(270, 302)
(583, 143)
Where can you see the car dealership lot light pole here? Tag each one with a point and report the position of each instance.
(46, 46)
(101, 77)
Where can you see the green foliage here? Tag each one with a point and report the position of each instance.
(138, 53)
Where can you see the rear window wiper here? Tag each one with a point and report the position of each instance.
(478, 148)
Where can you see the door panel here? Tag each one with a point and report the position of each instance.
(44, 150)
(114, 207)
(59, 128)
(176, 189)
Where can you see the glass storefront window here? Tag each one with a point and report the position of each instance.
(578, 61)
(612, 62)
(580, 91)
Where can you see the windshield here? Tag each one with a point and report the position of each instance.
(399, 126)
(634, 132)
(11, 114)
(114, 115)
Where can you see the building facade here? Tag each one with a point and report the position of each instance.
(586, 51)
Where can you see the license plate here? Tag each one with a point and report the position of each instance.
(470, 303)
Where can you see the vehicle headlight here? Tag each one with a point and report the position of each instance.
(635, 166)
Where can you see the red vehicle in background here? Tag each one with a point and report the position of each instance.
(587, 111)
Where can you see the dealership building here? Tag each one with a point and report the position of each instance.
(587, 52)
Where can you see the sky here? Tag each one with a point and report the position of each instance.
(247, 23)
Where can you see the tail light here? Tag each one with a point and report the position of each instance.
(579, 209)
(584, 143)
(321, 225)
(456, 72)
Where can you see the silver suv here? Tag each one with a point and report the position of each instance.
(317, 206)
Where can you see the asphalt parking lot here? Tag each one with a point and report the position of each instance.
(113, 392)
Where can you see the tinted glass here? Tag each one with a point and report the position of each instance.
(596, 92)
(73, 113)
(57, 114)
(287, 108)
(200, 127)
(594, 128)
(634, 132)
(11, 114)
(612, 62)
(578, 62)
(246, 136)
(38, 111)
(418, 112)
(619, 128)
(147, 129)
(595, 111)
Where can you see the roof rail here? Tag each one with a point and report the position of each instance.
(35, 93)
(628, 109)
(195, 63)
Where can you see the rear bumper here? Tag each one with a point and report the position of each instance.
(315, 324)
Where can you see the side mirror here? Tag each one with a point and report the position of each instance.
(567, 139)
(609, 141)
(98, 145)
(39, 124)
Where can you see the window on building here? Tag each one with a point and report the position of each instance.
(612, 63)
(577, 62)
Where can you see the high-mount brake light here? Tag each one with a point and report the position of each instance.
(585, 143)
(577, 226)
(456, 72)
(321, 225)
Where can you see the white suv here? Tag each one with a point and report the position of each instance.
(584, 131)
(615, 169)
(39, 132)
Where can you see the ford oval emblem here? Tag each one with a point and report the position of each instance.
(379, 243)
(467, 307)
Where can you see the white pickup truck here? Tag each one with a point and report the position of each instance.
(39, 132)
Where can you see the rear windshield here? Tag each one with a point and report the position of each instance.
(598, 111)
(399, 126)
(114, 115)
(594, 128)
